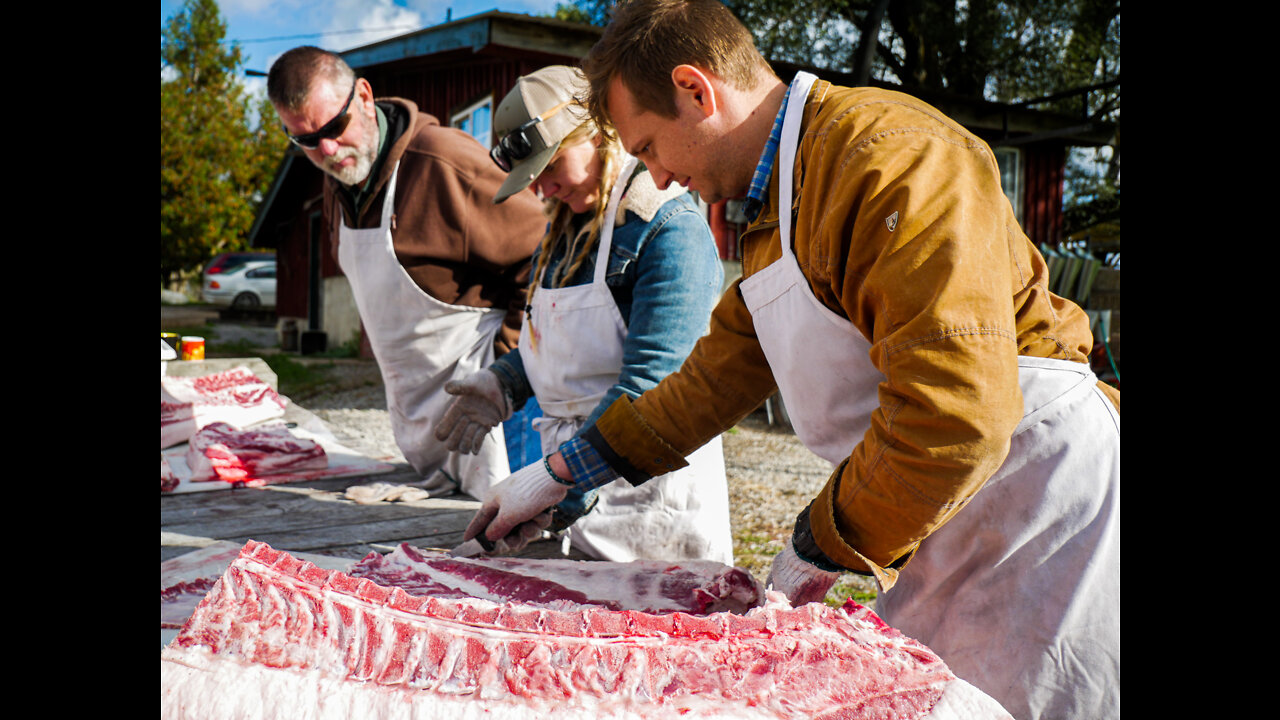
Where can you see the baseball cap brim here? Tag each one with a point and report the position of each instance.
(524, 173)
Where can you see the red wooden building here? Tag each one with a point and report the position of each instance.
(458, 71)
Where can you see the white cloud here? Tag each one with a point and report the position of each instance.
(379, 19)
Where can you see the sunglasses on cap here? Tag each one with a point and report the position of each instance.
(332, 129)
(517, 144)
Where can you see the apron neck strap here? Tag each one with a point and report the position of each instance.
(611, 210)
(796, 100)
(389, 202)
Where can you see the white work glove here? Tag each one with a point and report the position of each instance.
(525, 533)
(509, 506)
(480, 404)
(801, 581)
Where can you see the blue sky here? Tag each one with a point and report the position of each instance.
(267, 28)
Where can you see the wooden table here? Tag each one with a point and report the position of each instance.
(315, 517)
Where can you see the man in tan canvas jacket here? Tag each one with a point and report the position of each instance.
(906, 322)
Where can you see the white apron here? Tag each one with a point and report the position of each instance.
(571, 345)
(1020, 592)
(420, 344)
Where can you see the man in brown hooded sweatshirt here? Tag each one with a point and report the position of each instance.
(437, 270)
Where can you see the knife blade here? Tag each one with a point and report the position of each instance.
(478, 545)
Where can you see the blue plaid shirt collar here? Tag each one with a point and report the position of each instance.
(757, 193)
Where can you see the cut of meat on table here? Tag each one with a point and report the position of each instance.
(235, 396)
(694, 587)
(277, 637)
(220, 451)
(168, 479)
(177, 600)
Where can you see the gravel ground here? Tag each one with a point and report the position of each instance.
(771, 475)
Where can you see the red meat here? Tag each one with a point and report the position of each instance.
(278, 637)
(222, 452)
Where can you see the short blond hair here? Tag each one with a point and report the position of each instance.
(647, 39)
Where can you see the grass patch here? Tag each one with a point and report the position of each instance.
(861, 589)
(207, 331)
(349, 349)
(298, 380)
(241, 347)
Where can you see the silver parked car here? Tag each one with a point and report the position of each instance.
(246, 287)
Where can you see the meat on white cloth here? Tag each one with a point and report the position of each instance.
(235, 396)
(168, 479)
(279, 637)
(220, 451)
(697, 587)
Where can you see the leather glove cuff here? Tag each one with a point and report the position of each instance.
(806, 548)
(515, 387)
(509, 406)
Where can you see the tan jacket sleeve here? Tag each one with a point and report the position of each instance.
(908, 234)
(724, 379)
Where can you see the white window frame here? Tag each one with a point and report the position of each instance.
(463, 118)
(1010, 161)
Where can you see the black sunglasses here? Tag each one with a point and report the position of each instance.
(332, 129)
(517, 144)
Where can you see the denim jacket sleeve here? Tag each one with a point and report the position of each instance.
(666, 287)
(510, 371)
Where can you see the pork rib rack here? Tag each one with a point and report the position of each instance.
(277, 637)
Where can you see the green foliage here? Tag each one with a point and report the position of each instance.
(1023, 48)
(218, 147)
(1099, 208)
(571, 13)
(1008, 51)
(587, 12)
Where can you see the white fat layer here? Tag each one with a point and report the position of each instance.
(198, 685)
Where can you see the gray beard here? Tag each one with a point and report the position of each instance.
(354, 174)
(366, 155)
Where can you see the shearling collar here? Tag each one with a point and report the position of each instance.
(643, 197)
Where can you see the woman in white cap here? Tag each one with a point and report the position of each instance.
(623, 286)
